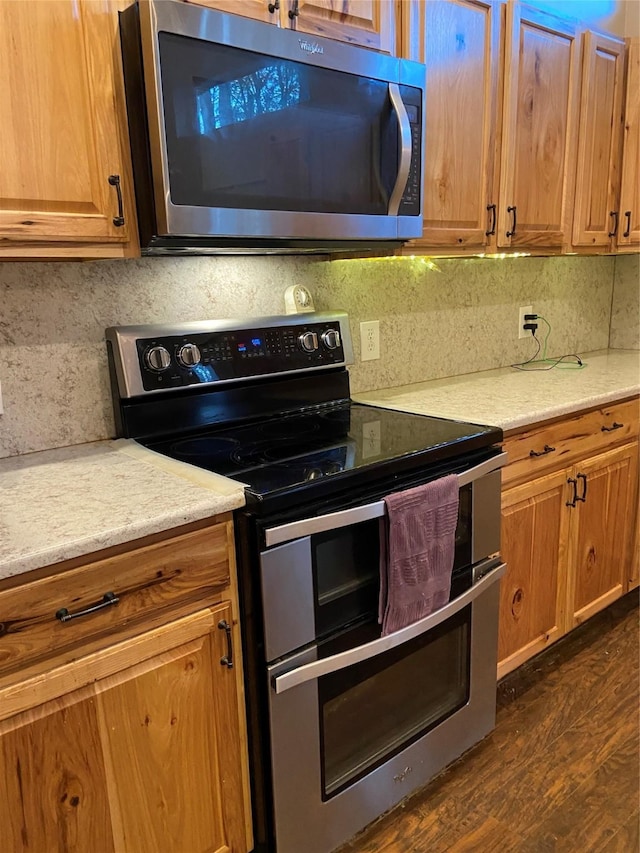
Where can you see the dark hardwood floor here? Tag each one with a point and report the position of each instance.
(561, 770)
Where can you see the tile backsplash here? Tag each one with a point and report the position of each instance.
(458, 318)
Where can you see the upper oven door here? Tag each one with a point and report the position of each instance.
(326, 574)
(260, 132)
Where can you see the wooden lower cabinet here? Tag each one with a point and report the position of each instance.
(146, 759)
(569, 535)
(533, 590)
(601, 531)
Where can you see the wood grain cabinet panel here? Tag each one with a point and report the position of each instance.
(602, 531)
(147, 759)
(540, 112)
(532, 592)
(629, 228)
(459, 41)
(569, 524)
(62, 137)
(366, 23)
(167, 577)
(502, 111)
(597, 218)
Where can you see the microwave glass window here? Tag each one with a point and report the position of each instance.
(243, 130)
(402, 694)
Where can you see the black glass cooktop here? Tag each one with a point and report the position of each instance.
(290, 452)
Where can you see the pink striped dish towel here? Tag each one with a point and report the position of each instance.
(417, 544)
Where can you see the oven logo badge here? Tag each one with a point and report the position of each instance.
(310, 46)
(400, 777)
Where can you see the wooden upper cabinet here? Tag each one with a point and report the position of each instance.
(459, 41)
(61, 138)
(367, 23)
(596, 215)
(540, 112)
(629, 227)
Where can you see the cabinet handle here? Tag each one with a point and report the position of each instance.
(614, 215)
(294, 11)
(514, 221)
(546, 449)
(108, 599)
(627, 230)
(227, 660)
(118, 220)
(491, 208)
(273, 7)
(583, 497)
(574, 483)
(611, 428)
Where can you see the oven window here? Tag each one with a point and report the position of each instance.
(373, 710)
(346, 575)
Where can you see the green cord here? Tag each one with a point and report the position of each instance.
(552, 362)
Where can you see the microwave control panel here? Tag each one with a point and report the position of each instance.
(410, 203)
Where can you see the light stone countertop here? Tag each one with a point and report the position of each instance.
(58, 504)
(510, 398)
(70, 502)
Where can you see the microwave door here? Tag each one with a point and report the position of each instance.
(248, 142)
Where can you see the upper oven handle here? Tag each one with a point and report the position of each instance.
(404, 139)
(317, 668)
(345, 517)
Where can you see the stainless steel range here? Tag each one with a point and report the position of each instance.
(343, 722)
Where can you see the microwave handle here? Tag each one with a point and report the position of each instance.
(404, 139)
(317, 668)
(345, 517)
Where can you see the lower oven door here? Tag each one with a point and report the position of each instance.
(354, 733)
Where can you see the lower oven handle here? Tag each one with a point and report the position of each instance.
(317, 668)
(346, 517)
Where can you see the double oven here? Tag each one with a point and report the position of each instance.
(343, 722)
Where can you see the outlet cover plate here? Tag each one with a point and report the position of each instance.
(370, 340)
(524, 333)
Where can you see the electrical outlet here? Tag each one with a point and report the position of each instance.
(370, 340)
(522, 332)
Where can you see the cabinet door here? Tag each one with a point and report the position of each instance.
(460, 45)
(596, 215)
(601, 531)
(629, 229)
(368, 23)
(146, 760)
(60, 135)
(533, 590)
(539, 130)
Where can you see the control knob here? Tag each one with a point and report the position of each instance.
(308, 342)
(331, 338)
(188, 355)
(157, 358)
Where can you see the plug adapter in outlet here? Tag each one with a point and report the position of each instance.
(522, 332)
(370, 340)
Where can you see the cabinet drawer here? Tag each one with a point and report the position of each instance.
(171, 577)
(557, 445)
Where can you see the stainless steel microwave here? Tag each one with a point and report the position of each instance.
(249, 137)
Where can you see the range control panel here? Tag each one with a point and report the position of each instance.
(152, 359)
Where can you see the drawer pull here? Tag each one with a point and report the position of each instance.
(546, 449)
(108, 599)
(611, 428)
(227, 660)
